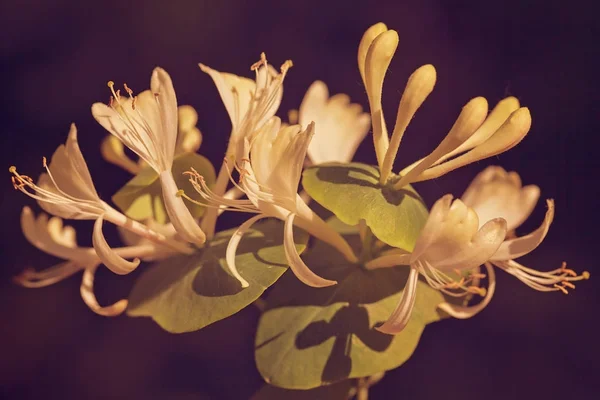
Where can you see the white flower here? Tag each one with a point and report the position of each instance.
(473, 134)
(52, 237)
(189, 139)
(250, 104)
(147, 124)
(497, 193)
(67, 190)
(269, 177)
(340, 126)
(450, 244)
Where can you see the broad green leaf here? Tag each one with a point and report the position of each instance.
(310, 337)
(187, 293)
(352, 192)
(337, 391)
(141, 197)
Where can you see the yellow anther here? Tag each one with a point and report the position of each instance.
(585, 275)
(44, 162)
(180, 193)
(110, 84)
(261, 62)
(286, 66)
(128, 90)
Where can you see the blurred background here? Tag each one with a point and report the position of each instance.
(57, 57)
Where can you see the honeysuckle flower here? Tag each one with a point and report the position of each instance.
(472, 134)
(147, 124)
(340, 126)
(269, 176)
(450, 245)
(249, 104)
(66, 190)
(497, 193)
(51, 236)
(189, 139)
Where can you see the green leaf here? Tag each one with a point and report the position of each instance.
(141, 197)
(310, 337)
(337, 391)
(352, 192)
(187, 293)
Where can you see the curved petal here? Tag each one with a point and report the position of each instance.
(178, 213)
(108, 256)
(496, 193)
(236, 93)
(518, 247)
(87, 294)
(464, 312)
(162, 88)
(47, 277)
(233, 245)
(401, 315)
(299, 268)
(112, 150)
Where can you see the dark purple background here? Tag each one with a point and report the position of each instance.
(57, 57)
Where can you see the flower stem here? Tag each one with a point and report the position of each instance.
(142, 230)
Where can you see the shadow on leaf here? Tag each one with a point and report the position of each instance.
(348, 321)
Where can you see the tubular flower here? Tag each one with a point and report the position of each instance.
(58, 240)
(66, 190)
(250, 104)
(269, 176)
(189, 139)
(473, 134)
(497, 193)
(147, 124)
(340, 126)
(448, 253)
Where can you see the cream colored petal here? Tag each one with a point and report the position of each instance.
(377, 62)
(419, 86)
(471, 117)
(233, 245)
(340, 126)
(450, 239)
(188, 141)
(64, 205)
(113, 151)
(70, 171)
(401, 315)
(298, 267)
(37, 232)
(495, 193)
(47, 277)
(162, 88)
(236, 93)
(178, 213)
(89, 298)
(108, 256)
(515, 248)
(505, 138)
(464, 312)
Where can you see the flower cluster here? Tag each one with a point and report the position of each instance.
(261, 174)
